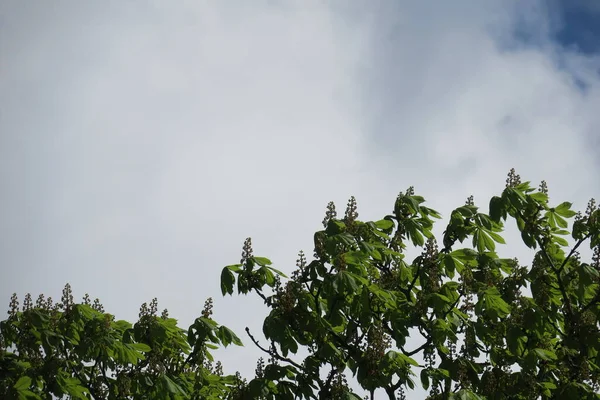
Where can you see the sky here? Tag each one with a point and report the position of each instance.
(142, 142)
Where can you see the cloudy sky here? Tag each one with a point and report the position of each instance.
(141, 142)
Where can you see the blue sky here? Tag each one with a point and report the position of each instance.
(142, 142)
(578, 25)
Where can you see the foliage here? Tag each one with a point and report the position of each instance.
(459, 319)
(77, 350)
(355, 306)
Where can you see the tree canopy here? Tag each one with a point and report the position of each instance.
(457, 319)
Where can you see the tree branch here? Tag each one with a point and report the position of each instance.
(592, 302)
(273, 353)
(561, 285)
(573, 250)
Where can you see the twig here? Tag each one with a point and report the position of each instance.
(573, 250)
(592, 302)
(272, 353)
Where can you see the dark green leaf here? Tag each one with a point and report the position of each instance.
(227, 281)
(497, 209)
(171, 386)
(335, 227)
(356, 257)
(413, 230)
(227, 336)
(267, 275)
(546, 355)
(140, 347)
(467, 211)
(278, 272)
(529, 240)
(425, 378)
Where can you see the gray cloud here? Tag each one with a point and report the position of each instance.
(141, 143)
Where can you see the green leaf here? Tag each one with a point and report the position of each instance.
(516, 197)
(171, 386)
(465, 394)
(497, 209)
(516, 341)
(539, 197)
(524, 187)
(559, 240)
(267, 275)
(262, 261)
(381, 234)
(439, 301)
(278, 272)
(548, 385)
(489, 243)
(464, 255)
(227, 281)
(441, 331)
(346, 282)
(384, 224)
(481, 241)
(23, 383)
(355, 257)
(140, 347)
(467, 211)
(561, 222)
(227, 336)
(580, 229)
(493, 303)
(451, 265)
(425, 378)
(564, 210)
(497, 238)
(38, 318)
(72, 386)
(544, 354)
(413, 230)
(529, 240)
(234, 267)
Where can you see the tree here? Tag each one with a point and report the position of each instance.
(486, 327)
(78, 350)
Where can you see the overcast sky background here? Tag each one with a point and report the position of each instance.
(141, 142)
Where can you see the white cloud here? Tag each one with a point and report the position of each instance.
(141, 144)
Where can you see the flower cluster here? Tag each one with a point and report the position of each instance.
(329, 214)
(351, 211)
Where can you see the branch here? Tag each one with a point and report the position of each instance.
(573, 250)
(76, 373)
(407, 353)
(390, 390)
(262, 296)
(592, 302)
(561, 285)
(418, 349)
(412, 284)
(557, 271)
(273, 353)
